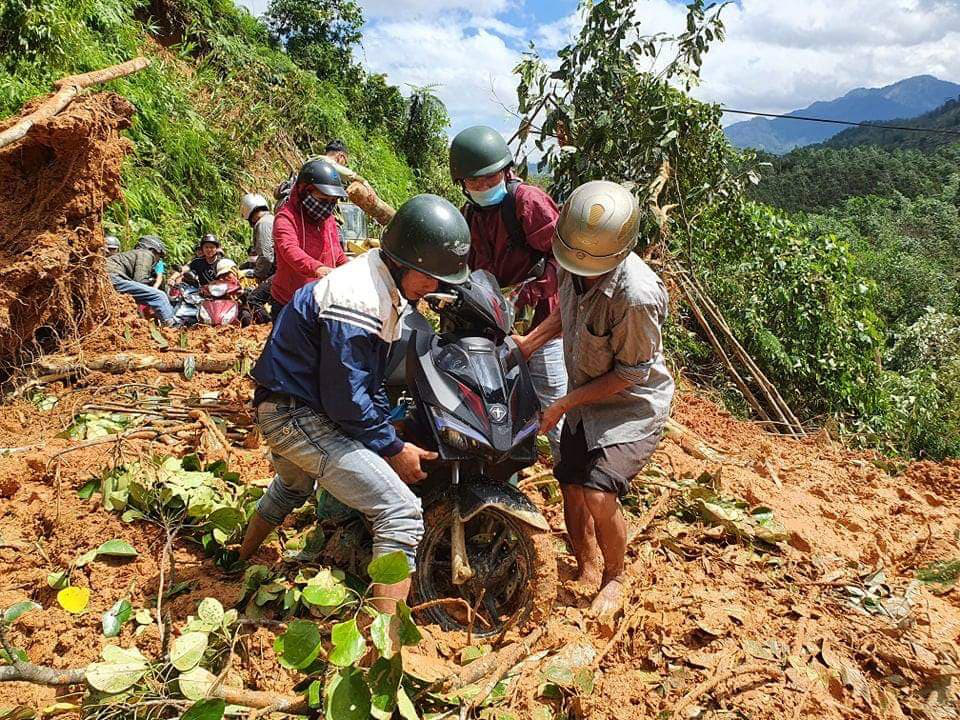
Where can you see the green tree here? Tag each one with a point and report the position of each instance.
(318, 34)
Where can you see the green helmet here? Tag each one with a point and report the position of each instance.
(430, 235)
(478, 151)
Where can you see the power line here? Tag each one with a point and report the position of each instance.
(844, 122)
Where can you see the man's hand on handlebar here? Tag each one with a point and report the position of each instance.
(406, 463)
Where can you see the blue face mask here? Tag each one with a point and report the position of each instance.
(493, 196)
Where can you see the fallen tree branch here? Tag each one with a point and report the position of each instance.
(68, 88)
(137, 434)
(482, 667)
(120, 363)
(40, 675)
(708, 685)
(506, 659)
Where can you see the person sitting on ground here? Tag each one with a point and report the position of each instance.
(511, 232)
(611, 314)
(256, 211)
(132, 272)
(305, 236)
(320, 399)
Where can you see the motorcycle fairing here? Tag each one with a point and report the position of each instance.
(476, 494)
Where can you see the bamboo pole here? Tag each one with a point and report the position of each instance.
(67, 89)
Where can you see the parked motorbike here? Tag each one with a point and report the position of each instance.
(216, 303)
(464, 390)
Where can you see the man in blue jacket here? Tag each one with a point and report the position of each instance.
(321, 404)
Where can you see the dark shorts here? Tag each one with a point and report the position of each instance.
(607, 469)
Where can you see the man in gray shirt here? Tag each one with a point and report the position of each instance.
(256, 212)
(612, 309)
(132, 273)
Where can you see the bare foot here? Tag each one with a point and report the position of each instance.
(608, 600)
(588, 574)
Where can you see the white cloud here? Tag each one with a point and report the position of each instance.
(430, 8)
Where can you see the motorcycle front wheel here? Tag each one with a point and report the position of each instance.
(514, 572)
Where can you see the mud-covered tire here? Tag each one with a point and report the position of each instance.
(536, 583)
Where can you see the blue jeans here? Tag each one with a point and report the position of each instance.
(153, 298)
(307, 448)
(549, 374)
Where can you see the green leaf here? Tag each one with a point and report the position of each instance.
(389, 568)
(121, 669)
(58, 580)
(407, 631)
(325, 596)
(18, 609)
(315, 694)
(158, 337)
(348, 697)
(89, 488)
(405, 705)
(383, 679)
(85, 559)
(228, 520)
(187, 650)
(210, 611)
(254, 576)
(348, 643)
(117, 548)
(380, 634)
(115, 618)
(301, 643)
(210, 709)
(189, 367)
(15, 654)
(195, 683)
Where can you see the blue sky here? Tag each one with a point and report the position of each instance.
(779, 54)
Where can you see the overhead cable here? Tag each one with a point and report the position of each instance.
(942, 131)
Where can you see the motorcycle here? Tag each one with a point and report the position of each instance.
(216, 303)
(464, 390)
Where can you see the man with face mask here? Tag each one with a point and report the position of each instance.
(305, 235)
(321, 403)
(511, 231)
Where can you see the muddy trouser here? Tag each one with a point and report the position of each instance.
(275, 307)
(549, 375)
(260, 295)
(153, 298)
(308, 449)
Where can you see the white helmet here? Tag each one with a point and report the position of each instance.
(597, 228)
(250, 203)
(225, 265)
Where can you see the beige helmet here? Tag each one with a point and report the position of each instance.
(597, 228)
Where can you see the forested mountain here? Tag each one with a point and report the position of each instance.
(906, 98)
(945, 117)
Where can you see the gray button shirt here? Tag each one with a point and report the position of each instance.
(263, 247)
(616, 325)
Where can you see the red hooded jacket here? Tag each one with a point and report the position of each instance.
(301, 247)
(491, 249)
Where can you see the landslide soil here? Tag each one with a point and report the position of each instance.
(700, 605)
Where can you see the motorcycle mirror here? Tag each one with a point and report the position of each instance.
(537, 271)
(440, 300)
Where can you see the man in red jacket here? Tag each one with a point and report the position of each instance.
(512, 226)
(305, 236)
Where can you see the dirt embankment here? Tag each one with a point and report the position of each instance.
(54, 185)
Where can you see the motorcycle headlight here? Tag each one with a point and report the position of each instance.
(458, 434)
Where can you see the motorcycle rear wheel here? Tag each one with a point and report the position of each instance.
(515, 572)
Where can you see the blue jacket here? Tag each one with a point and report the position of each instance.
(329, 349)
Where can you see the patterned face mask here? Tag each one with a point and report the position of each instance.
(317, 210)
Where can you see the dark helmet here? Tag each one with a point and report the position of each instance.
(152, 242)
(430, 235)
(322, 175)
(210, 239)
(478, 151)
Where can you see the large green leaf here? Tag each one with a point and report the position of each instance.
(407, 631)
(348, 643)
(114, 618)
(211, 709)
(19, 609)
(301, 643)
(117, 548)
(383, 678)
(187, 650)
(122, 667)
(227, 519)
(380, 634)
(389, 568)
(405, 705)
(195, 683)
(210, 612)
(348, 697)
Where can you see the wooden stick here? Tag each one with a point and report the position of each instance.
(68, 88)
(506, 659)
(708, 685)
(481, 667)
(120, 363)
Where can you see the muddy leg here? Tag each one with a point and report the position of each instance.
(580, 529)
(257, 531)
(611, 533)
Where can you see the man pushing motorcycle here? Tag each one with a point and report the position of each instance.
(320, 398)
(611, 313)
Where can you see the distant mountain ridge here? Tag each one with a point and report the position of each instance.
(904, 99)
(945, 117)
